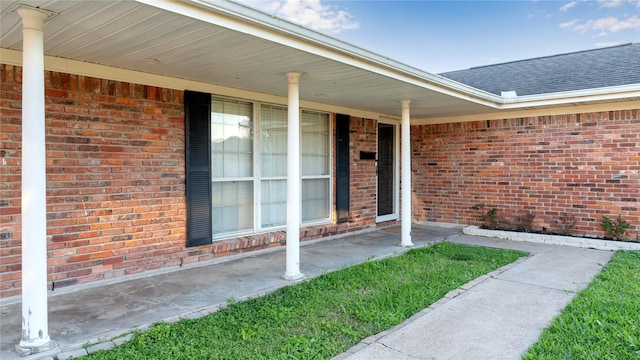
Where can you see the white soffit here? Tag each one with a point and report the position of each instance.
(230, 45)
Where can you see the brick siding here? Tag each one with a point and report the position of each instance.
(584, 165)
(116, 195)
(363, 183)
(115, 182)
(115, 178)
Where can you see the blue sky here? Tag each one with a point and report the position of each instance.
(439, 36)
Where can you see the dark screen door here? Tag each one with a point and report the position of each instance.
(385, 169)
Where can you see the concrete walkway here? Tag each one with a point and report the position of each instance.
(494, 317)
(98, 313)
(491, 318)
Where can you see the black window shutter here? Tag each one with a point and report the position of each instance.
(197, 112)
(342, 168)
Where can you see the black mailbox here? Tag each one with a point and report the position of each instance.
(367, 155)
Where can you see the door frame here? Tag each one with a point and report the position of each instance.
(395, 215)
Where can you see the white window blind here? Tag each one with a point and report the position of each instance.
(235, 153)
(273, 152)
(231, 166)
(315, 168)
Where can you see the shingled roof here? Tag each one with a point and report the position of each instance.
(611, 66)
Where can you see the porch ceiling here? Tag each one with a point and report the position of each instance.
(196, 42)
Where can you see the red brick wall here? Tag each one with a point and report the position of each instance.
(362, 193)
(586, 165)
(115, 178)
(362, 137)
(115, 182)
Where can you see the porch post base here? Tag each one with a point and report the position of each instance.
(28, 349)
(293, 277)
(409, 244)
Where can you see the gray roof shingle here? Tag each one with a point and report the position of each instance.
(590, 69)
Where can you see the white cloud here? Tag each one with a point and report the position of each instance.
(534, 15)
(569, 24)
(618, 3)
(604, 26)
(610, 3)
(310, 13)
(568, 6)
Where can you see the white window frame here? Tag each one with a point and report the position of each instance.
(326, 177)
(257, 178)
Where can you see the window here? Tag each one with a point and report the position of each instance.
(273, 164)
(231, 166)
(315, 165)
(249, 166)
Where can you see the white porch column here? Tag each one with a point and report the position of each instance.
(35, 332)
(406, 173)
(292, 271)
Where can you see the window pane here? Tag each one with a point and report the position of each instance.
(315, 199)
(273, 140)
(231, 157)
(232, 206)
(231, 139)
(315, 140)
(274, 203)
(234, 201)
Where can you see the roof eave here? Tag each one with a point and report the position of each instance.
(357, 56)
(611, 93)
(248, 20)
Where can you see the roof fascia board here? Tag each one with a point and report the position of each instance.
(611, 93)
(532, 112)
(14, 57)
(536, 105)
(250, 21)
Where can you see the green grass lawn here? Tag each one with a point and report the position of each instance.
(321, 317)
(603, 321)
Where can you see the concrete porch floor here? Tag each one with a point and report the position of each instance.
(98, 312)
